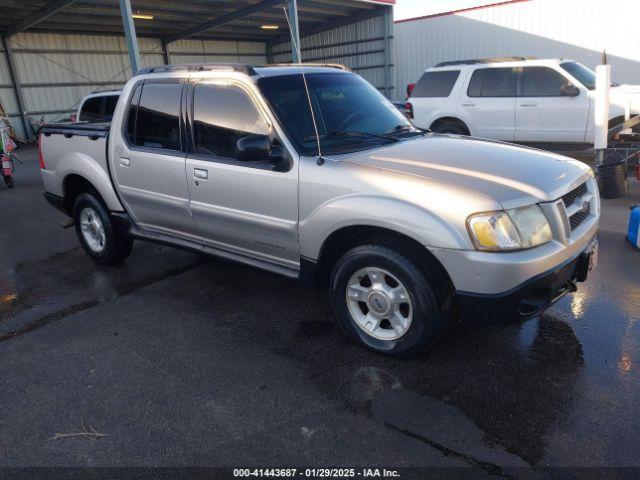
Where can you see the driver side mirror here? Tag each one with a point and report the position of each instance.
(259, 148)
(569, 91)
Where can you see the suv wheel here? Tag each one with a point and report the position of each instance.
(96, 233)
(384, 300)
(450, 127)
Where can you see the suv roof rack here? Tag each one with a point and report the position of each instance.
(484, 60)
(199, 67)
(107, 90)
(339, 66)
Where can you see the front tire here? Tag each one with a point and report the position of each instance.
(96, 233)
(387, 301)
(9, 181)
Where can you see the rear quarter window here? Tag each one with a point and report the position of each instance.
(436, 84)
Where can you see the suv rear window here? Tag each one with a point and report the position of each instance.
(436, 84)
(493, 82)
(155, 118)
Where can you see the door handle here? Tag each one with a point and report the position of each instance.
(125, 162)
(200, 174)
(529, 104)
(469, 104)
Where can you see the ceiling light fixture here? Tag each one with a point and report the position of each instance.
(142, 16)
(270, 27)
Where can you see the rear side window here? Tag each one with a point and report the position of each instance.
(493, 82)
(154, 121)
(110, 103)
(90, 110)
(436, 84)
(542, 82)
(222, 114)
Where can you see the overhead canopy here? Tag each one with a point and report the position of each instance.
(175, 20)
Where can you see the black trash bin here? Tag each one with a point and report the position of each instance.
(612, 178)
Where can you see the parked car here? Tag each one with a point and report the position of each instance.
(409, 230)
(98, 106)
(515, 100)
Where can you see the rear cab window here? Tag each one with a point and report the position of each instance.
(90, 110)
(437, 84)
(153, 119)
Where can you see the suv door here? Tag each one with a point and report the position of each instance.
(544, 114)
(490, 102)
(242, 207)
(149, 162)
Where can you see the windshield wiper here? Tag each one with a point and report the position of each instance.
(351, 134)
(407, 128)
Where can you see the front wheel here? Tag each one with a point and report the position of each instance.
(387, 302)
(96, 233)
(8, 181)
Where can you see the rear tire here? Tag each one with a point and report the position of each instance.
(9, 182)
(450, 128)
(96, 233)
(387, 302)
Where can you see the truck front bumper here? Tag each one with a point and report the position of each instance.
(531, 297)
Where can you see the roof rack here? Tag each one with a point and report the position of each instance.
(484, 60)
(199, 67)
(107, 90)
(338, 66)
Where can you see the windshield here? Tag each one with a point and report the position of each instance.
(351, 114)
(581, 73)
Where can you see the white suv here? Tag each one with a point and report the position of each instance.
(515, 99)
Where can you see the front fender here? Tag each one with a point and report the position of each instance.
(400, 216)
(85, 166)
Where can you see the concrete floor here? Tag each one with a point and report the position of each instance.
(182, 360)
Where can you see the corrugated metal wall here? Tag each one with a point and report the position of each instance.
(56, 71)
(576, 29)
(359, 46)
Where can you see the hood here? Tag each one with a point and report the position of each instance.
(624, 95)
(512, 175)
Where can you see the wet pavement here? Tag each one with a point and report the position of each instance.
(184, 360)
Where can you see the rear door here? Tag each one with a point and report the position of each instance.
(149, 164)
(490, 102)
(245, 208)
(543, 114)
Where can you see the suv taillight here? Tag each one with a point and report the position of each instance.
(40, 157)
(410, 88)
(409, 108)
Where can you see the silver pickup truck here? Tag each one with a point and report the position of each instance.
(409, 230)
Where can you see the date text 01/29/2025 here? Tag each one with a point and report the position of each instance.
(316, 472)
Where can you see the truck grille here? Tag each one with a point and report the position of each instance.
(574, 206)
(579, 192)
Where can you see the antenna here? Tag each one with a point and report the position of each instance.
(320, 160)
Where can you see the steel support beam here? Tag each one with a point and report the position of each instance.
(165, 52)
(296, 48)
(387, 18)
(15, 80)
(43, 13)
(230, 17)
(130, 35)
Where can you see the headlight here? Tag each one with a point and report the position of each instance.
(514, 229)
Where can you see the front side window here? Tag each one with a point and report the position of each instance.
(581, 73)
(221, 115)
(351, 114)
(542, 82)
(436, 84)
(156, 123)
(493, 82)
(90, 111)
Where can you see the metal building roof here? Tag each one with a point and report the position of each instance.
(174, 20)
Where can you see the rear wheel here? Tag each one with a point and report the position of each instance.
(9, 181)
(96, 233)
(451, 127)
(387, 302)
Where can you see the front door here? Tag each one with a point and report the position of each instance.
(149, 162)
(246, 208)
(543, 114)
(490, 102)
